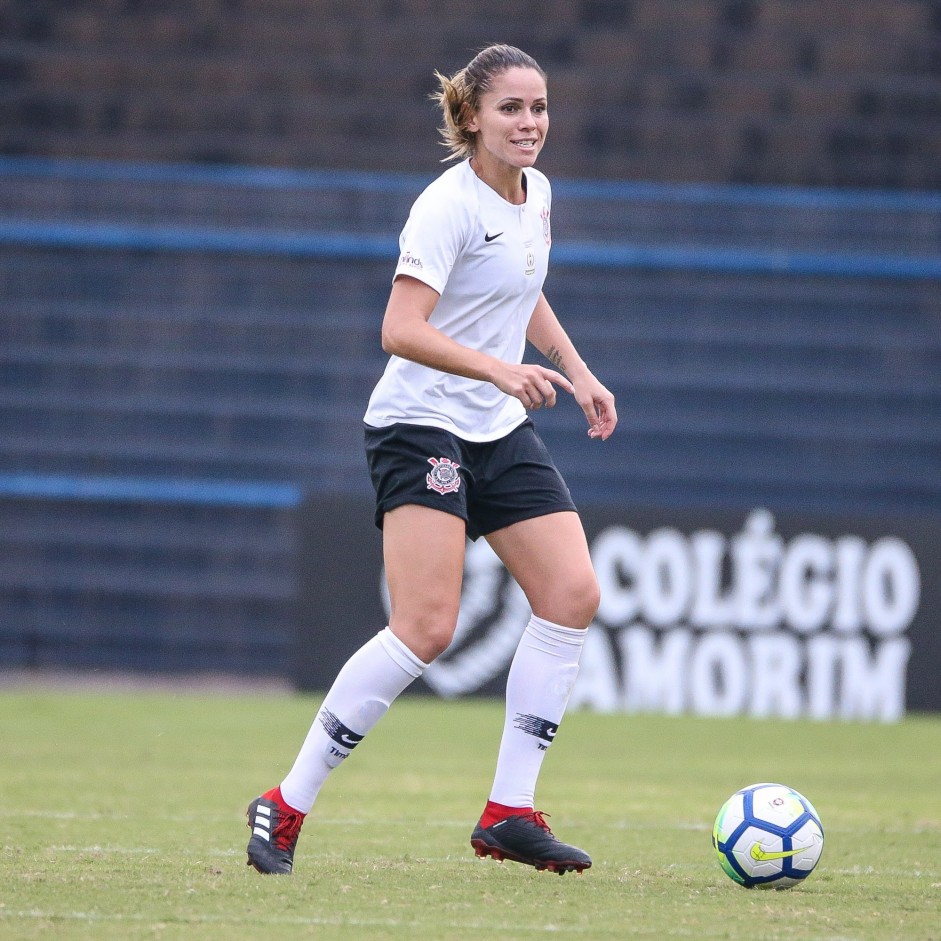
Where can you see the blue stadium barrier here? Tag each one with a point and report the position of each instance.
(366, 181)
(612, 254)
(360, 246)
(257, 495)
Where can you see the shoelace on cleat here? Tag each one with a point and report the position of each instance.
(284, 835)
(539, 818)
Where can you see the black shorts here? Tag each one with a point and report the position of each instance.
(488, 484)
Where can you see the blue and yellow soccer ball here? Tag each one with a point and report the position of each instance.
(768, 836)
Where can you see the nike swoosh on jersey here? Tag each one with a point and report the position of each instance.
(489, 238)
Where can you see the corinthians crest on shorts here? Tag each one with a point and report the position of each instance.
(443, 476)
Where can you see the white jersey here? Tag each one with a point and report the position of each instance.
(488, 259)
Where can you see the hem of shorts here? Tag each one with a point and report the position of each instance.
(414, 501)
(532, 513)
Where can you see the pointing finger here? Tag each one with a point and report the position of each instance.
(559, 380)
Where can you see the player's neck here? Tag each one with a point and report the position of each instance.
(506, 181)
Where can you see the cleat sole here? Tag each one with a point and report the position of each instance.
(561, 867)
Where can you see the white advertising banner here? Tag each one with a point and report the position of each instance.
(751, 623)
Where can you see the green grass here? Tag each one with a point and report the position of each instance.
(122, 817)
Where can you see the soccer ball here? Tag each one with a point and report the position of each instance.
(768, 836)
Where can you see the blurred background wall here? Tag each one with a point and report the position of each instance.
(761, 91)
(199, 205)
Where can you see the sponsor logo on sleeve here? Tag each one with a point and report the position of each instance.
(409, 260)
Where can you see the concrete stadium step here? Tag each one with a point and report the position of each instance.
(98, 629)
(247, 197)
(193, 279)
(334, 459)
(670, 470)
(152, 526)
(144, 584)
(157, 547)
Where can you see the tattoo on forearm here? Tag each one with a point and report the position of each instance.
(555, 357)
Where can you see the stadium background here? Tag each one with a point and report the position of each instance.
(198, 210)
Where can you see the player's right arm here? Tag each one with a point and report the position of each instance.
(406, 332)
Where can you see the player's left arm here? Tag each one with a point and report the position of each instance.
(549, 337)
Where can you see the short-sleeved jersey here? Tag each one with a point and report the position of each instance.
(487, 259)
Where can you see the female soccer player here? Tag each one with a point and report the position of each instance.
(453, 454)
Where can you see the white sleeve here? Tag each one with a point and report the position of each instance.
(432, 239)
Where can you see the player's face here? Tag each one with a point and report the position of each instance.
(513, 118)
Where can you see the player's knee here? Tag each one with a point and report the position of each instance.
(437, 640)
(573, 603)
(428, 634)
(587, 598)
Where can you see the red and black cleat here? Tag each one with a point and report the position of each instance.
(526, 838)
(275, 828)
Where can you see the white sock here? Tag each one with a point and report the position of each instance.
(537, 690)
(361, 694)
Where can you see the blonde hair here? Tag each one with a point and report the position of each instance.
(458, 97)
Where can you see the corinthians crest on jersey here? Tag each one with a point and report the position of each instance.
(443, 476)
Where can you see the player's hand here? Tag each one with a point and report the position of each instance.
(598, 405)
(533, 385)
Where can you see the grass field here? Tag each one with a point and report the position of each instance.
(122, 817)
